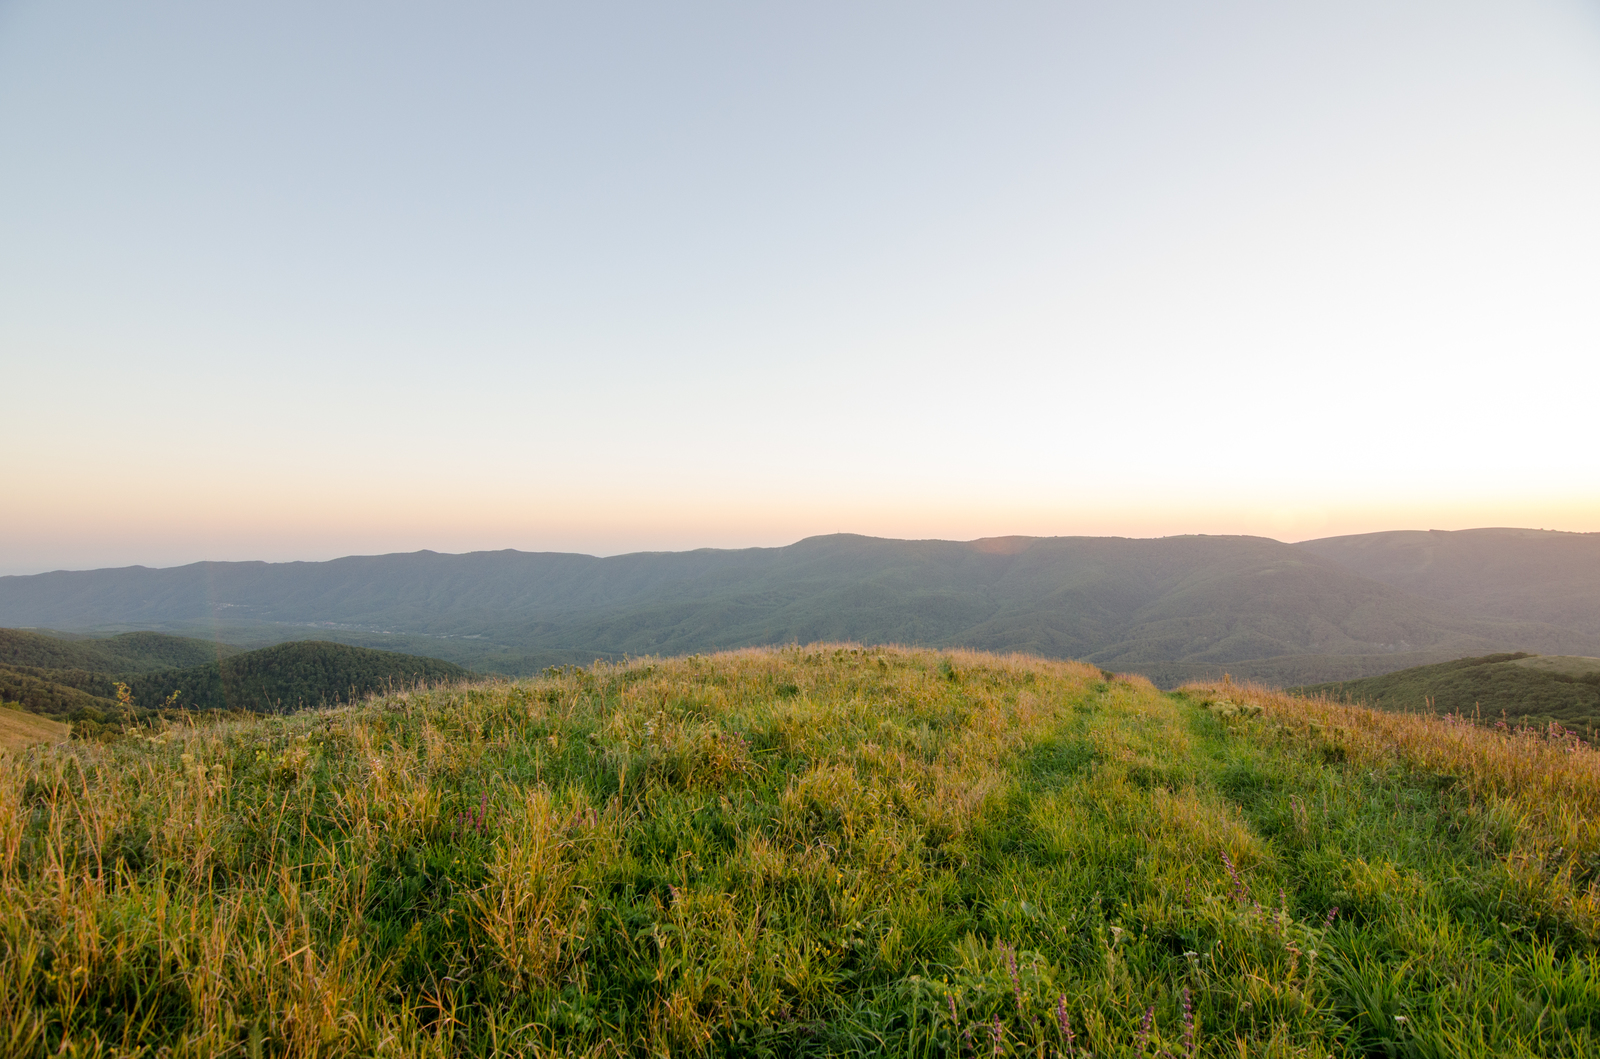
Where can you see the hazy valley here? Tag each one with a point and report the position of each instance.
(1172, 608)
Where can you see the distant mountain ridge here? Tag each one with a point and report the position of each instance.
(1509, 574)
(1173, 608)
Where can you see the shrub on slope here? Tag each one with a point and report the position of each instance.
(821, 851)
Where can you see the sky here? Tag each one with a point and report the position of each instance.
(299, 280)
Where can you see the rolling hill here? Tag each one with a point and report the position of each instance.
(64, 693)
(1517, 688)
(291, 676)
(131, 652)
(19, 729)
(1173, 608)
(819, 852)
(76, 678)
(273, 679)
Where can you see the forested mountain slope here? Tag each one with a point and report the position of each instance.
(1174, 608)
(273, 679)
(132, 652)
(1516, 574)
(291, 676)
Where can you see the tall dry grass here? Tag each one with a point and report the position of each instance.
(832, 850)
(1537, 789)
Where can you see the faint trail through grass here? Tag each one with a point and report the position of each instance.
(811, 851)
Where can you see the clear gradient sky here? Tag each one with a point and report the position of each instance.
(295, 280)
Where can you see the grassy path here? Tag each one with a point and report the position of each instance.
(805, 852)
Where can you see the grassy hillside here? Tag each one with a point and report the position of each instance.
(829, 851)
(1287, 670)
(1251, 605)
(19, 729)
(1568, 666)
(1516, 688)
(290, 676)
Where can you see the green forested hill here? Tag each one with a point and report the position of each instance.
(1518, 688)
(130, 652)
(290, 676)
(282, 677)
(56, 693)
(75, 679)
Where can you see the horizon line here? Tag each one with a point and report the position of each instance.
(780, 547)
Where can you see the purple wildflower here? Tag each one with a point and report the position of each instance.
(1188, 1026)
(1239, 893)
(1065, 1024)
(1016, 980)
(1144, 1029)
(1333, 913)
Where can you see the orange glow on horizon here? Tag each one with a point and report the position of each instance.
(124, 527)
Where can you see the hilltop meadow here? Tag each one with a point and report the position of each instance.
(829, 850)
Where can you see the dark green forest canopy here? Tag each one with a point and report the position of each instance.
(292, 676)
(282, 677)
(62, 694)
(129, 652)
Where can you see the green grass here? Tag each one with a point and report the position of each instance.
(1514, 689)
(1576, 667)
(823, 851)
